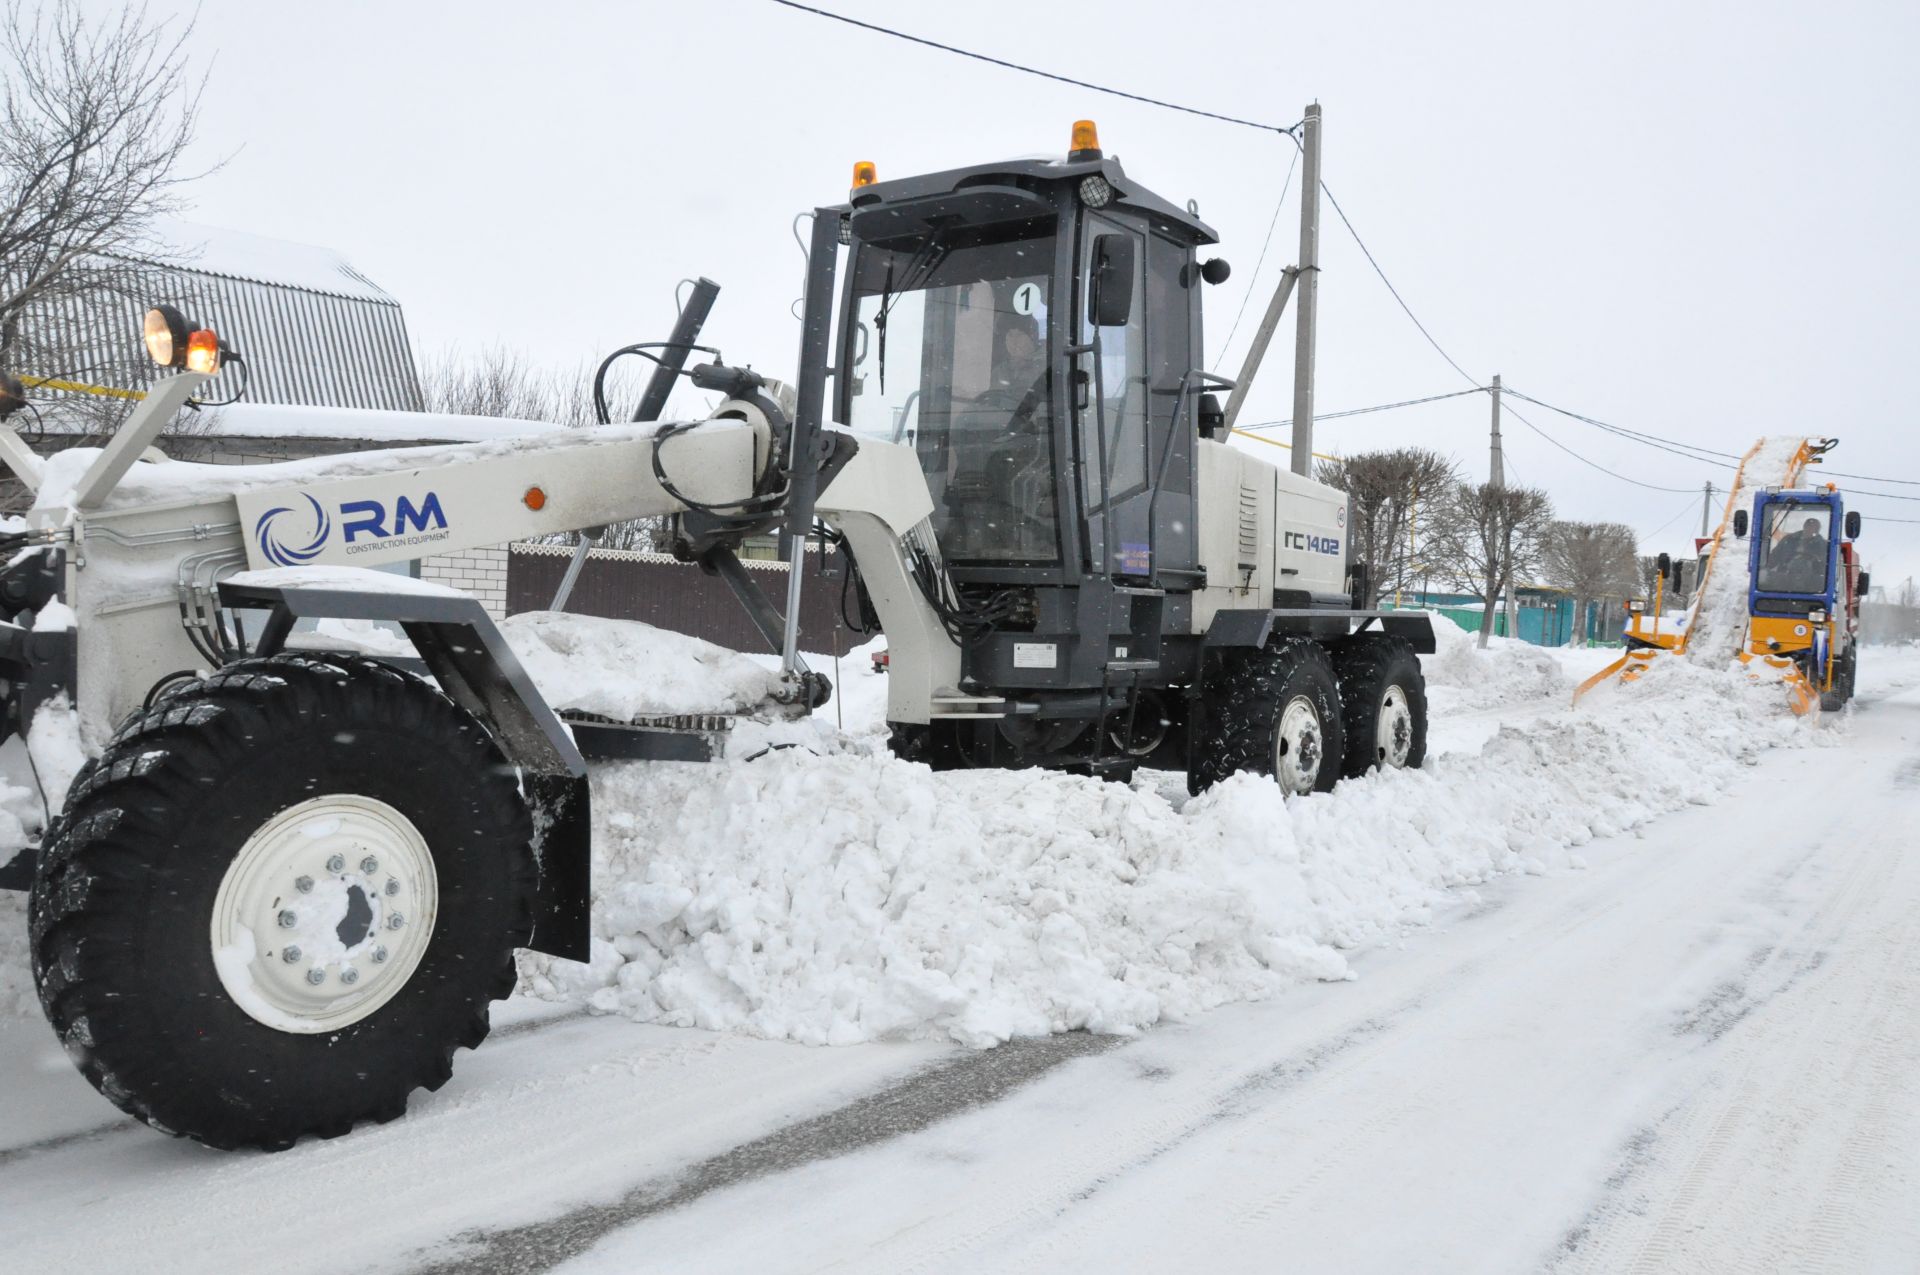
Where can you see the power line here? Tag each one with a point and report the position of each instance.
(1380, 407)
(1264, 245)
(1678, 491)
(1684, 511)
(1045, 75)
(1651, 440)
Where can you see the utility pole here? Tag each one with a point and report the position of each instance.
(1309, 289)
(1706, 506)
(1497, 475)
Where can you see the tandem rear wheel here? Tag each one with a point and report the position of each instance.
(281, 899)
(1307, 715)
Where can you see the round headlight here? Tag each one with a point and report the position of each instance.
(166, 332)
(1095, 191)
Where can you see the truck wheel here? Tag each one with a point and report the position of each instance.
(1274, 711)
(280, 899)
(1383, 703)
(1844, 670)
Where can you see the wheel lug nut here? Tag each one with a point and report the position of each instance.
(349, 976)
(395, 921)
(303, 884)
(379, 955)
(290, 954)
(287, 919)
(316, 977)
(369, 865)
(393, 887)
(338, 863)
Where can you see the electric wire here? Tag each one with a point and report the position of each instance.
(1045, 75)
(1362, 411)
(1253, 283)
(1678, 491)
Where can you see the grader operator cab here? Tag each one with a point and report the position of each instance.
(288, 884)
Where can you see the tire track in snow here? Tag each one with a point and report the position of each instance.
(1755, 1124)
(924, 1099)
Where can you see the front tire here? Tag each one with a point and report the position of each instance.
(1274, 711)
(280, 899)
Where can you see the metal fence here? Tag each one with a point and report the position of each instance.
(658, 590)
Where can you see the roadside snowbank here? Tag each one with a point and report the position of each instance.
(1470, 680)
(850, 897)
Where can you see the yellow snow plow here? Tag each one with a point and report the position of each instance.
(1784, 603)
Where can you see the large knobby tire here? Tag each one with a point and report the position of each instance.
(1383, 703)
(355, 846)
(1274, 711)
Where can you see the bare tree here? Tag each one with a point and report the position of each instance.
(1484, 535)
(1590, 560)
(503, 382)
(95, 119)
(1385, 491)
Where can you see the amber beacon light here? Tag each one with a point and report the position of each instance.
(865, 174)
(1086, 141)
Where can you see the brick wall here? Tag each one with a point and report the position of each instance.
(481, 572)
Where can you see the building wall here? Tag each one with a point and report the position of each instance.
(481, 572)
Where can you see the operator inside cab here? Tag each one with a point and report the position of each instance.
(1797, 561)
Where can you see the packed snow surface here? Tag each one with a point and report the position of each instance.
(850, 896)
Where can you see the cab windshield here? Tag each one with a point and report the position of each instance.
(949, 356)
(1796, 551)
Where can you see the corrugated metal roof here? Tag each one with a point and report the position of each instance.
(313, 330)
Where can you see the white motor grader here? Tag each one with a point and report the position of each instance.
(290, 882)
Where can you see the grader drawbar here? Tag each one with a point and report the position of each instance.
(290, 881)
(1777, 589)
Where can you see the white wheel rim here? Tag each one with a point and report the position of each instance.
(324, 914)
(1393, 733)
(1299, 746)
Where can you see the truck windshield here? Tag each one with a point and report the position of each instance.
(1797, 548)
(949, 356)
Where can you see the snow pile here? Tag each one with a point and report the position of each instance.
(852, 896)
(1719, 616)
(622, 669)
(1469, 679)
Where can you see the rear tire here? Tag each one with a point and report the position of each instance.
(1383, 703)
(1274, 711)
(196, 811)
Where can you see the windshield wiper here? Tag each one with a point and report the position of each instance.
(919, 266)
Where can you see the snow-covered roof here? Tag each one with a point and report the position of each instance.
(240, 255)
(273, 420)
(366, 425)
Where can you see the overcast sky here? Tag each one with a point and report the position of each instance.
(1692, 220)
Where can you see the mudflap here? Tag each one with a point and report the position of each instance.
(563, 847)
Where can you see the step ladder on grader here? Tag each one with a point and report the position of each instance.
(1778, 590)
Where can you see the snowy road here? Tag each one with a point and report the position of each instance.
(1702, 1053)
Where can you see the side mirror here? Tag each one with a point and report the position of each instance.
(1664, 564)
(1739, 523)
(1860, 585)
(1111, 304)
(1853, 524)
(1213, 417)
